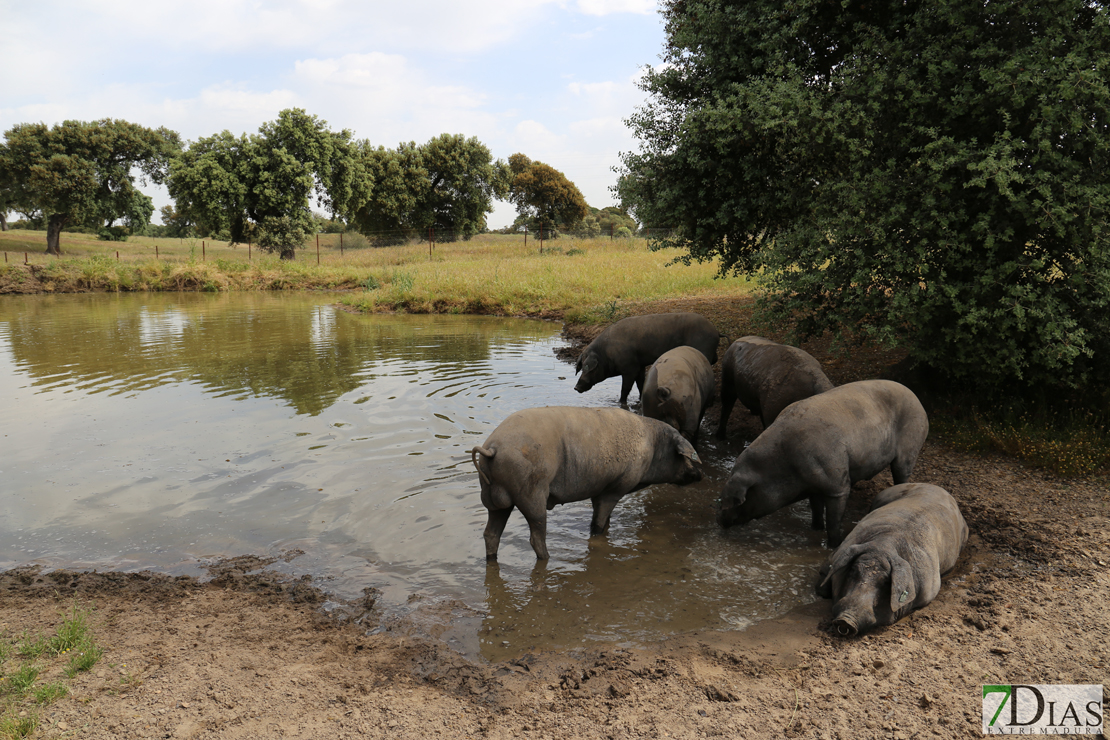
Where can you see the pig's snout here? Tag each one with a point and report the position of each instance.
(846, 627)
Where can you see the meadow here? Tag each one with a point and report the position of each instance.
(581, 280)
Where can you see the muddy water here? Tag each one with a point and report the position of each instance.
(162, 431)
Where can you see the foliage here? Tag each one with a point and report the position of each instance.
(175, 223)
(258, 187)
(447, 184)
(77, 171)
(113, 233)
(934, 175)
(544, 195)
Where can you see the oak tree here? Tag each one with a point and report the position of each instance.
(81, 170)
(930, 174)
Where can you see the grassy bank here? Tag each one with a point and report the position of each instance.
(581, 279)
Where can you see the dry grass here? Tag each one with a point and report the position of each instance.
(584, 280)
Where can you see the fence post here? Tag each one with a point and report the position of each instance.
(203, 250)
(340, 243)
(117, 255)
(317, 249)
(541, 236)
(610, 231)
(156, 252)
(24, 258)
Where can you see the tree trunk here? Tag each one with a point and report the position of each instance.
(288, 253)
(54, 233)
(3, 221)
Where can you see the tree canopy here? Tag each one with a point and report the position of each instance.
(448, 183)
(260, 187)
(79, 171)
(543, 194)
(934, 174)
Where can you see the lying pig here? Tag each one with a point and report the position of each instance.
(767, 377)
(678, 389)
(819, 446)
(539, 458)
(630, 345)
(891, 563)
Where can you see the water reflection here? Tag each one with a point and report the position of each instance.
(160, 430)
(260, 344)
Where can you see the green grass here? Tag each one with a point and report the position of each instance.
(12, 728)
(70, 649)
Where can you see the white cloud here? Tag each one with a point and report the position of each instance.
(607, 7)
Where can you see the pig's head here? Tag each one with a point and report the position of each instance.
(875, 587)
(589, 364)
(736, 502)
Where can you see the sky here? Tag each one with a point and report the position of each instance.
(553, 79)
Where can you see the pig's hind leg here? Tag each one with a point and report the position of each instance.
(495, 525)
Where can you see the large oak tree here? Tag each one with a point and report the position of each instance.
(925, 172)
(77, 171)
(260, 187)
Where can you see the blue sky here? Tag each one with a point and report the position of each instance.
(552, 79)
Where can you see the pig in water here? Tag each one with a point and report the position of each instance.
(891, 563)
(679, 387)
(630, 345)
(819, 446)
(767, 377)
(539, 458)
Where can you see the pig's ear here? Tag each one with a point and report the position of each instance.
(578, 364)
(685, 448)
(841, 559)
(902, 590)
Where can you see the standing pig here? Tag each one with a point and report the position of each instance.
(679, 387)
(630, 345)
(539, 458)
(767, 377)
(819, 446)
(891, 563)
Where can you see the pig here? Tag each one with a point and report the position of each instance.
(891, 563)
(678, 389)
(630, 345)
(819, 446)
(539, 458)
(767, 377)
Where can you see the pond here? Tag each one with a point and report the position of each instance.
(162, 431)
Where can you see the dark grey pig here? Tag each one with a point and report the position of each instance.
(678, 389)
(539, 458)
(627, 347)
(819, 446)
(767, 377)
(891, 563)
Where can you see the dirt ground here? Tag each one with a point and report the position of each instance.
(252, 654)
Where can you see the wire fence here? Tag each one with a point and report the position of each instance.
(30, 249)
